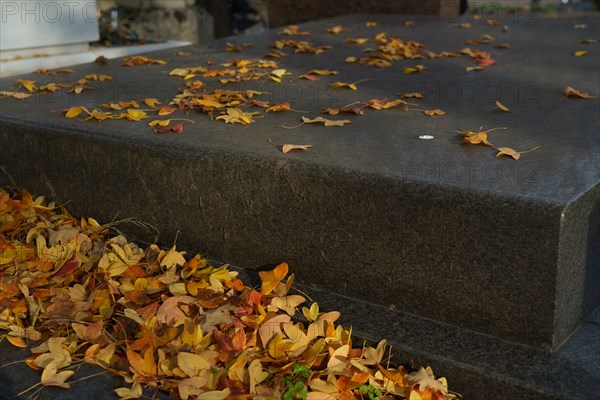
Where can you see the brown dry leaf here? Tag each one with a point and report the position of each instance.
(411, 95)
(503, 46)
(175, 128)
(285, 106)
(356, 40)
(140, 60)
(580, 53)
(588, 41)
(502, 106)
(464, 25)
(325, 121)
(371, 24)
(431, 113)
(571, 92)
(286, 148)
(351, 60)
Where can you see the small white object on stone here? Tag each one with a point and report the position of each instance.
(426, 137)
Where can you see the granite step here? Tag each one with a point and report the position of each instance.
(428, 228)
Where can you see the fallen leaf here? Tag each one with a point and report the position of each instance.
(588, 41)
(411, 95)
(135, 392)
(580, 53)
(166, 111)
(470, 69)
(502, 106)
(16, 95)
(413, 70)
(464, 25)
(424, 381)
(325, 121)
(270, 279)
(51, 376)
(431, 113)
(336, 30)
(286, 148)
(237, 116)
(570, 92)
(323, 72)
(356, 40)
(151, 102)
(176, 128)
(507, 151)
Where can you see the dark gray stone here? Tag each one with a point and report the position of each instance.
(446, 232)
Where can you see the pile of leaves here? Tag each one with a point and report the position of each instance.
(73, 294)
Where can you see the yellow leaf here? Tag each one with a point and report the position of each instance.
(312, 313)
(256, 375)
(325, 121)
(336, 30)
(415, 69)
(192, 387)
(508, 152)
(151, 102)
(136, 115)
(51, 376)
(164, 122)
(126, 393)
(339, 85)
(74, 112)
(16, 95)
(286, 148)
(172, 258)
(580, 53)
(323, 72)
(191, 364)
(338, 359)
(29, 85)
(502, 106)
(179, 72)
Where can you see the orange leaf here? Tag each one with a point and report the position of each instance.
(431, 113)
(270, 279)
(569, 91)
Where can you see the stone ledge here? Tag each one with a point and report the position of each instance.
(371, 211)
